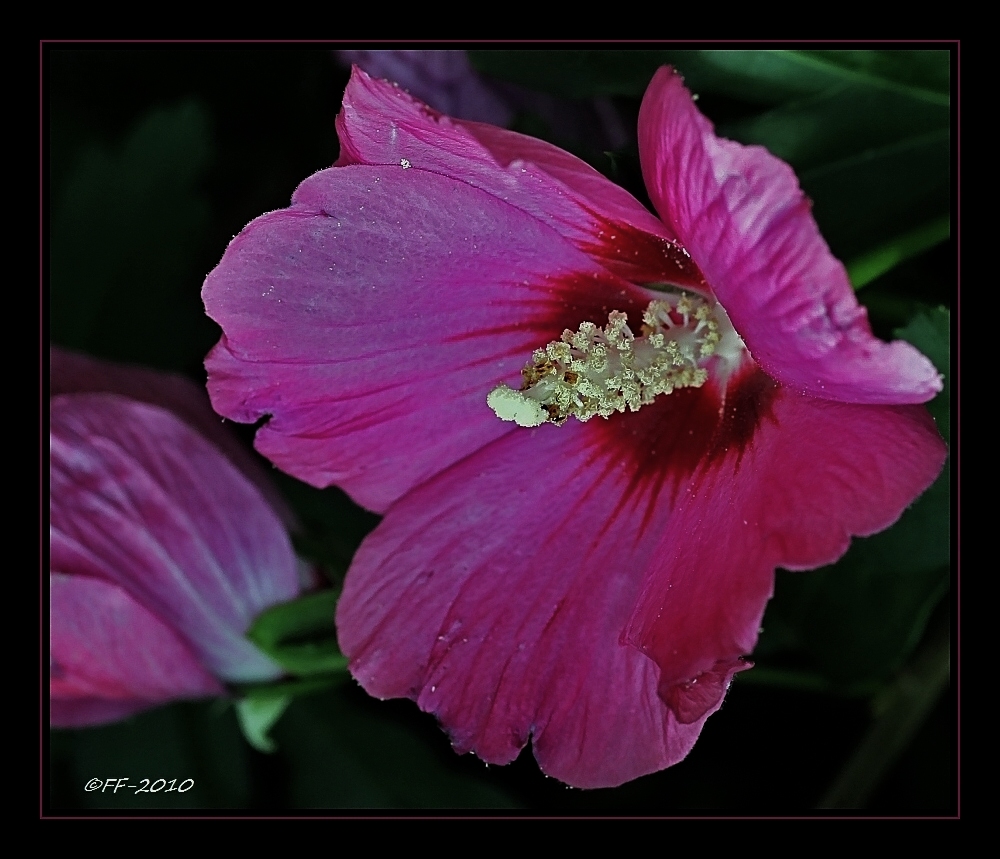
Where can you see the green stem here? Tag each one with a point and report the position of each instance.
(899, 713)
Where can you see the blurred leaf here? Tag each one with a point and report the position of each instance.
(299, 635)
(888, 191)
(191, 740)
(785, 678)
(345, 750)
(761, 77)
(124, 243)
(858, 620)
(923, 74)
(776, 77)
(921, 540)
(840, 123)
(886, 257)
(899, 713)
(257, 716)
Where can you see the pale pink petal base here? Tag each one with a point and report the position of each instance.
(111, 657)
(74, 373)
(739, 212)
(140, 500)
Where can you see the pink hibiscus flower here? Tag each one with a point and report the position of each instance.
(590, 585)
(162, 550)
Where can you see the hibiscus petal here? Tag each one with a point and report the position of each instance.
(381, 124)
(496, 595)
(501, 604)
(815, 473)
(371, 320)
(141, 500)
(739, 212)
(111, 657)
(75, 373)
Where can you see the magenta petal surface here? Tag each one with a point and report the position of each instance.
(370, 320)
(382, 124)
(816, 474)
(111, 657)
(595, 587)
(741, 215)
(496, 594)
(139, 500)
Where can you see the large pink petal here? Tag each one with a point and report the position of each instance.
(739, 212)
(502, 595)
(381, 124)
(112, 657)
(141, 500)
(815, 474)
(372, 319)
(496, 595)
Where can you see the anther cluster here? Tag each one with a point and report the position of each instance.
(599, 371)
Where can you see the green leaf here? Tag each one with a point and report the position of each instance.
(921, 74)
(858, 620)
(257, 716)
(299, 635)
(920, 543)
(762, 77)
(886, 257)
(839, 123)
(890, 190)
(758, 77)
(343, 749)
(875, 163)
(779, 76)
